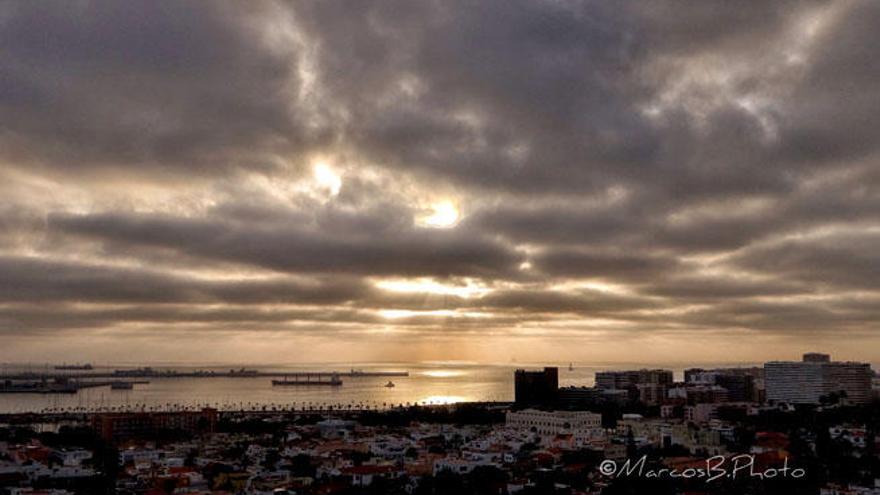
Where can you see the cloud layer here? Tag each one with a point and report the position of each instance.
(387, 173)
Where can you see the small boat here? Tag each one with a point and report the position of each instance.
(390, 384)
(121, 385)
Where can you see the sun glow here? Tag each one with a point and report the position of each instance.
(443, 215)
(427, 285)
(442, 373)
(395, 314)
(326, 178)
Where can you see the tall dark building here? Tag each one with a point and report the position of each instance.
(693, 375)
(739, 382)
(740, 388)
(578, 398)
(536, 388)
(628, 379)
(816, 357)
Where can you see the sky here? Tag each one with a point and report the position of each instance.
(382, 180)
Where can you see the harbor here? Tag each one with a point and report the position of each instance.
(63, 386)
(66, 379)
(364, 383)
(149, 372)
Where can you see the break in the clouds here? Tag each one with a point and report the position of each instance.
(532, 179)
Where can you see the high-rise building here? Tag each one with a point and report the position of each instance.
(536, 388)
(648, 386)
(807, 381)
(628, 379)
(620, 380)
(816, 357)
(651, 394)
(707, 394)
(578, 398)
(699, 376)
(852, 379)
(740, 388)
(795, 382)
(742, 384)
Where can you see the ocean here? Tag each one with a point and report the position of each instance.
(427, 383)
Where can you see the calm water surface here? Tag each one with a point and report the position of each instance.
(428, 382)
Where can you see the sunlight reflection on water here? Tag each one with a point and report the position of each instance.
(428, 382)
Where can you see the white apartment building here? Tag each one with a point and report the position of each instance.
(806, 382)
(553, 422)
(795, 382)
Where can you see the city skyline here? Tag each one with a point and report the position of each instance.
(399, 181)
(815, 378)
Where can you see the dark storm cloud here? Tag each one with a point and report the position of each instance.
(843, 261)
(617, 266)
(29, 280)
(783, 318)
(182, 87)
(518, 95)
(556, 93)
(832, 114)
(701, 289)
(715, 164)
(577, 302)
(298, 249)
(556, 224)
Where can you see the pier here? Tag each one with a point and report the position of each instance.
(333, 381)
(62, 386)
(233, 373)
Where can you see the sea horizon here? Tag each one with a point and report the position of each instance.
(428, 382)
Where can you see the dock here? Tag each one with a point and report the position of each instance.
(63, 386)
(333, 381)
(233, 373)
